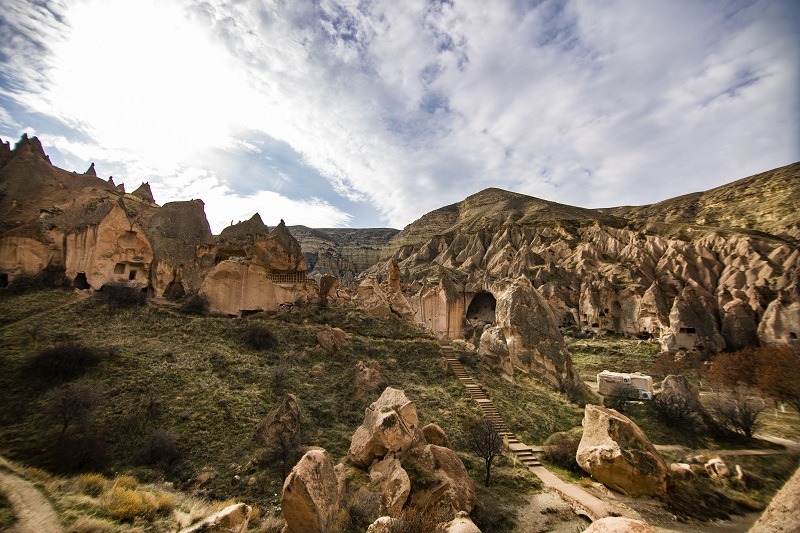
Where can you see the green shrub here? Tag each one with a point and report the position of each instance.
(7, 517)
(259, 337)
(64, 361)
(562, 454)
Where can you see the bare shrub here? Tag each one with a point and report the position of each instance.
(415, 520)
(738, 409)
(46, 279)
(72, 404)
(561, 452)
(259, 337)
(679, 410)
(79, 453)
(278, 374)
(620, 395)
(64, 361)
(161, 450)
(120, 295)
(195, 304)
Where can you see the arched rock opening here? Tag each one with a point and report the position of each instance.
(482, 308)
(80, 282)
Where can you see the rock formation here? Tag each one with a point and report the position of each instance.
(281, 427)
(682, 398)
(698, 272)
(618, 524)
(390, 425)
(617, 453)
(232, 519)
(96, 234)
(331, 339)
(310, 498)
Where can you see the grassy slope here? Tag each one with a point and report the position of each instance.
(194, 377)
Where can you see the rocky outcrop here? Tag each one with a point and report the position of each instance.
(390, 425)
(391, 481)
(783, 513)
(692, 326)
(618, 524)
(281, 427)
(680, 397)
(448, 484)
(780, 324)
(310, 498)
(618, 454)
(368, 377)
(434, 434)
(331, 339)
(232, 519)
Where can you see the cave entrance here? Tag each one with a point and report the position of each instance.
(80, 282)
(482, 308)
(175, 290)
(3, 280)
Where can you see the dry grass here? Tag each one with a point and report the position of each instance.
(92, 525)
(127, 505)
(91, 484)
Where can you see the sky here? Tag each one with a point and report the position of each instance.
(370, 113)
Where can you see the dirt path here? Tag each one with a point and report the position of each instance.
(34, 513)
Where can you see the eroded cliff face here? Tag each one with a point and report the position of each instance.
(691, 287)
(95, 233)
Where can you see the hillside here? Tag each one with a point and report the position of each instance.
(341, 252)
(766, 202)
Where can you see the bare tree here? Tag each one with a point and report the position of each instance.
(620, 395)
(72, 403)
(738, 409)
(483, 440)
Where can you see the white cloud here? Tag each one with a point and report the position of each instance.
(413, 105)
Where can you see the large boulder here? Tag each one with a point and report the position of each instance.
(390, 425)
(281, 426)
(393, 483)
(783, 512)
(440, 479)
(618, 524)
(681, 398)
(532, 336)
(332, 339)
(368, 377)
(310, 498)
(617, 453)
(232, 519)
(434, 434)
(462, 523)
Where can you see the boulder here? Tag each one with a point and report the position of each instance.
(435, 435)
(531, 333)
(381, 525)
(783, 512)
(678, 393)
(390, 425)
(232, 519)
(371, 298)
(462, 523)
(682, 470)
(368, 377)
(310, 498)
(618, 524)
(618, 454)
(717, 468)
(393, 483)
(441, 480)
(332, 339)
(281, 426)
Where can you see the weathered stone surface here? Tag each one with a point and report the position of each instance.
(310, 498)
(381, 525)
(461, 524)
(390, 425)
(332, 339)
(447, 486)
(691, 326)
(780, 324)
(618, 524)
(435, 435)
(393, 483)
(232, 519)
(281, 426)
(739, 327)
(783, 512)
(368, 377)
(618, 454)
(717, 468)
